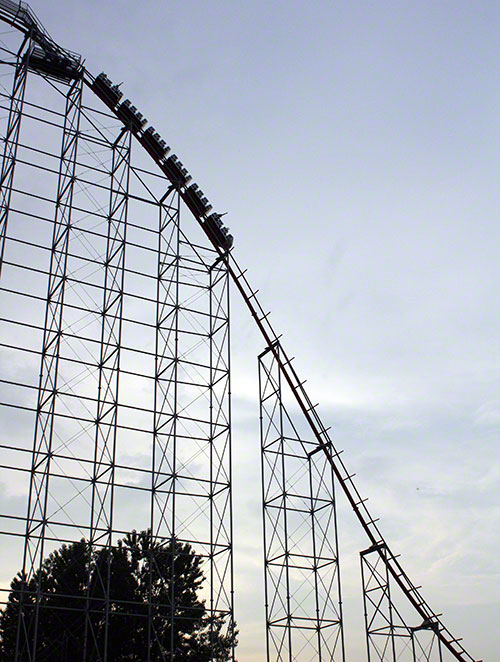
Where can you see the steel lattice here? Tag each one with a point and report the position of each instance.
(115, 392)
(303, 603)
(128, 321)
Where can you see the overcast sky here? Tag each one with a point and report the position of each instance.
(355, 147)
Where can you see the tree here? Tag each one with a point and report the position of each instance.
(115, 604)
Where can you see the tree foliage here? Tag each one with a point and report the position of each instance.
(114, 604)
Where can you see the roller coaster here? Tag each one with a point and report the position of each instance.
(187, 347)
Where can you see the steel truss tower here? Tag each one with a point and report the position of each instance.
(388, 637)
(128, 321)
(302, 579)
(115, 402)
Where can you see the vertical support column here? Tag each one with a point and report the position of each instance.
(103, 478)
(388, 639)
(163, 487)
(302, 583)
(220, 494)
(36, 521)
(191, 508)
(11, 141)
(426, 644)
(276, 553)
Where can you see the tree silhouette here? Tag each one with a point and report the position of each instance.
(114, 604)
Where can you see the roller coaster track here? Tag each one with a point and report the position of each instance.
(21, 17)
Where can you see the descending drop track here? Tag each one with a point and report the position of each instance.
(50, 59)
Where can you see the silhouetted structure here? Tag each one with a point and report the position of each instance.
(123, 314)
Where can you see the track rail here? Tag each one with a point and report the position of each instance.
(20, 16)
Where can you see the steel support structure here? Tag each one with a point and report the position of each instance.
(131, 403)
(114, 347)
(191, 470)
(302, 579)
(106, 422)
(11, 139)
(38, 519)
(426, 644)
(220, 455)
(388, 637)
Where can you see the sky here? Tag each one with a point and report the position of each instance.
(355, 148)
